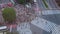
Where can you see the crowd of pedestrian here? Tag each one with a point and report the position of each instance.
(24, 14)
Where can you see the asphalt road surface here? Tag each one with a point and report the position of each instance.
(51, 3)
(41, 5)
(50, 20)
(53, 16)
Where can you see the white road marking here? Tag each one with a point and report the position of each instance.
(50, 12)
(44, 24)
(24, 28)
(56, 30)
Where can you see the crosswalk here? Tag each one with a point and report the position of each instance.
(45, 25)
(24, 28)
(56, 30)
(50, 12)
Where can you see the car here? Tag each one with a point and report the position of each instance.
(3, 28)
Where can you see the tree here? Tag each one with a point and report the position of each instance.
(23, 1)
(29, 1)
(9, 14)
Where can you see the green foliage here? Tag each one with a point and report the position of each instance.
(45, 3)
(29, 1)
(23, 1)
(9, 14)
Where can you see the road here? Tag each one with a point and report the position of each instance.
(41, 5)
(45, 24)
(50, 3)
(48, 21)
(52, 15)
(36, 30)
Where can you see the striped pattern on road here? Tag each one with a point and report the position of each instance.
(50, 12)
(24, 28)
(44, 24)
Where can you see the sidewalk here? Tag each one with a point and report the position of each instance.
(2, 33)
(24, 28)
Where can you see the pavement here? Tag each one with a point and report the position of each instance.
(45, 23)
(24, 28)
(1, 17)
(2, 32)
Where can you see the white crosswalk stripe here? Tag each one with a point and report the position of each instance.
(24, 28)
(56, 30)
(44, 24)
(50, 12)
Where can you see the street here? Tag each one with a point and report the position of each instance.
(50, 3)
(47, 21)
(40, 4)
(52, 15)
